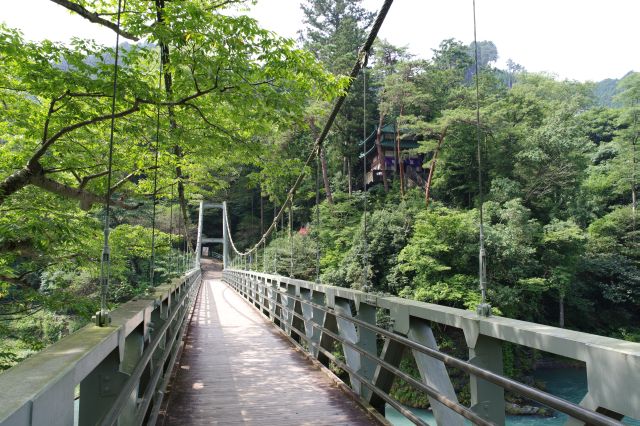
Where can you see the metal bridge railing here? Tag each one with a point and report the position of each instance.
(319, 316)
(121, 370)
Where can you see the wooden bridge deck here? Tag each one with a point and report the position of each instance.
(237, 369)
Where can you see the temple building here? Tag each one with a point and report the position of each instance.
(412, 162)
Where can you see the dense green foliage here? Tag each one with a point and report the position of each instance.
(559, 203)
(559, 189)
(227, 86)
(239, 108)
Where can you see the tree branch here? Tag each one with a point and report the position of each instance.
(50, 113)
(14, 89)
(215, 126)
(47, 143)
(223, 3)
(11, 280)
(31, 312)
(95, 18)
(86, 198)
(129, 176)
(85, 179)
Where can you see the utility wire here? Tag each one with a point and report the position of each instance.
(318, 219)
(102, 319)
(152, 262)
(365, 254)
(171, 228)
(290, 239)
(484, 309)
(275, 248)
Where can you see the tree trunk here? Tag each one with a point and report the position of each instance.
(561, 301)
(323, 162)
(400, 162)
(15, 182)
(261, 215)
(427, 186)
(33, 174)
(634, 195)
(434, 160)
(87, 199)
(325, 176)
(349, 175)
(381, 159)
(173, 125)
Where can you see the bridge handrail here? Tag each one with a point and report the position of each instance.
(504, 382)
(458, 408)
(613, 366)
(104, 361)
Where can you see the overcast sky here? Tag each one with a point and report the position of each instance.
(574, 39)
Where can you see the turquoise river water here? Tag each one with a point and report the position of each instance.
(570, 384)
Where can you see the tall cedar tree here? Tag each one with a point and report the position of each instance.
(334, 32)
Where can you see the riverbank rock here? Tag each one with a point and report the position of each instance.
(526, 410)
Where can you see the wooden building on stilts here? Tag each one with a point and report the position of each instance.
(396, 155)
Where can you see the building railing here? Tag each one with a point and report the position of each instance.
(121, 370)
(322, 318)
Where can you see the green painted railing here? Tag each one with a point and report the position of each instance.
(322, 318)
(121, 370)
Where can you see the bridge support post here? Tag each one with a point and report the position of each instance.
(487, 399)
(261, 300)
(255, 290)
(312, 315)
(290, 306)
(298, 330)
(362, 338)
(246, 284)
(367, 340)
(347, 331)
(199, 237)
(433, 372)
(392, 353)
(52, 407)
(272, 296)
(589, 402)
(225, 236)
(99, 390)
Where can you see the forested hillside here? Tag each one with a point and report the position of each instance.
(559, 186)
(233, 113)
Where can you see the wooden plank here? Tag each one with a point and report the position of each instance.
(237, 369)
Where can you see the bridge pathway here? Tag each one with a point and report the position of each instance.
(237, 369)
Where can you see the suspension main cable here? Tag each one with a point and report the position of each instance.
(315, 151)
(103, 318)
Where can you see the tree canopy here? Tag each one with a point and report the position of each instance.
(203, 86)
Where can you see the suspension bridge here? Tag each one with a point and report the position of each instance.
(228, 344)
